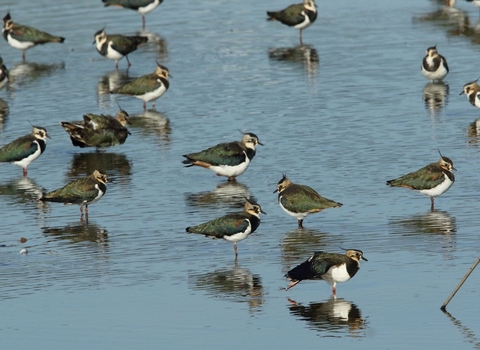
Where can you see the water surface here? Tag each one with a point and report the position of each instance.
(343, 114)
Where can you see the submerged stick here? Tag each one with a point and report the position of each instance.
(444, 306)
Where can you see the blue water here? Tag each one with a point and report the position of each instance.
(343, 114)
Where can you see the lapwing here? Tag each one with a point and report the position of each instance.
(229, 159)
(331, 267)
(300, 200)
(24, 37)
(431, 180)
(232, 227)
(25, 149)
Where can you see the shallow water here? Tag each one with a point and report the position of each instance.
(343, 113)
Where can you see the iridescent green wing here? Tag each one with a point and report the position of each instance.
(322, 262)
(106, 137)
(227, 225)
(97, 122)
(26, 33)
(290, 16)
(125, 44)
(425, 178)
(222, 154)
(18, 149)
(314, 267)
(303, 199)
(140, 86)
(131, 4)
(74, 192)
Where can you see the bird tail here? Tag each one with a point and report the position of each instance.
(188, 162)
(271, 16)
(301, 272)
(69, 127)
(391, 183)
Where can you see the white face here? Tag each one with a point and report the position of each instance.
(8, 25)
(255, 210)
(432, 52)
(101, 38)
(250, 141)
(40, 133)
(280, 187)
(309, 4)
(101, 177)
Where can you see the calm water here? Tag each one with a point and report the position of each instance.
(343, 113)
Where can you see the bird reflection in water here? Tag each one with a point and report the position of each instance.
(427, 231)
(4, 111)
(446, 15)
(230, 194)
(117, 165)
(432, 222)
(473, 132)
(157, 42)
(299, 243)
(435, 96)
(154, 123)
(75, 233)
(334, 317)
(24, 190)
(109, 82)
(304, 55)
(237, 285)
(27, 72)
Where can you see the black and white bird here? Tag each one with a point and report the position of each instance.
(434, 66)
(331, 267)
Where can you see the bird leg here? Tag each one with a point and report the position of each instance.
(23, 55)
(231, 178)
(24, 171)
(143, 21)
(144, 106)
(301, 42)
(432, 206)
(235, 249)
(116, 64)
(334, 291)
(293, 284)
(129, 64)
(81, 211)
(300, 223)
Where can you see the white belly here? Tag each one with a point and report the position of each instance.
(153, 95)
(21, 45)
(439, 74)
(227, 170)
(337, 275)
(112, 54)
(239, 236)
(149, 7)
(477, 100)
(298, 216)
(437, 191)
(26, 161)
(304, 24)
